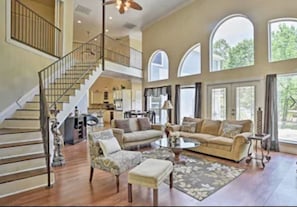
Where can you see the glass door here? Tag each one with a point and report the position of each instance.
(234, 101)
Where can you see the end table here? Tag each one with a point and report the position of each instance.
(261, 139)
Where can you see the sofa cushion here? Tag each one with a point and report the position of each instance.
(109, 146)
(211, 127)
(141, 135)
(221, 141)
(197, 120)
(203, 138)
(123, 124)
(246, 125)
(188, 126)
(144, 123)
(231, 130)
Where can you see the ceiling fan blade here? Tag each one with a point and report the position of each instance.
(110, 2)
(135, 5)
(122, 9)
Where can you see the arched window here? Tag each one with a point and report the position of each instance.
(282, 35)
(191, 62)
(158, 66)
(232, 43)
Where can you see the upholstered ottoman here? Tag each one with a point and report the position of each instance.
(150, 173)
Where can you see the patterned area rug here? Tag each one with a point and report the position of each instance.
(199, 178)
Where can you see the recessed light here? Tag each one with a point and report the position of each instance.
(79, 21)
(95, 39)
(110, 17)
(106, 30)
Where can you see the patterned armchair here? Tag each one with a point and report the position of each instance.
(105, 155)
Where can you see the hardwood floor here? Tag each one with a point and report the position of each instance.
(275, 185)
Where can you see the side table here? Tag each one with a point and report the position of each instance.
(261, 139)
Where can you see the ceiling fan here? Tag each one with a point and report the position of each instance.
(124, 5)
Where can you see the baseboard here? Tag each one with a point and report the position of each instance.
(10, 110)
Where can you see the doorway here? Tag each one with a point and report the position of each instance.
(232, 101)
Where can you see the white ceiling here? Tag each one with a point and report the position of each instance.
(90, 13)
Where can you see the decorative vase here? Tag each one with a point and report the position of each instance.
(259, 131)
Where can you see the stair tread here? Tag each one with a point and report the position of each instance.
(22, 175)
(15, 130)
(15, 118)
(23, 109)
(21, 158)
(18, 143)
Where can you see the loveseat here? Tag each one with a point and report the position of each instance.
(135, 131)
(227, 139)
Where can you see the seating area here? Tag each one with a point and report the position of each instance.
(227, 139)
(136, 131)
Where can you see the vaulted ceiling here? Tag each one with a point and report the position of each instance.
(131, 23)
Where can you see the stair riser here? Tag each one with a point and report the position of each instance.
(21, 166)
(71, 92)
(22, 124)
(26, 114)
(23, 185)
(79, 72)
(65, 85)
(75, 76)
(63, 99)
(82, 81)
(35, 105)
(20, 137)
(21, 150)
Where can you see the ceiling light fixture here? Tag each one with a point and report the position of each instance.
(124, 5)
(79, 21)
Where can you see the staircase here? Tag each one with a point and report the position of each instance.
(23, 146)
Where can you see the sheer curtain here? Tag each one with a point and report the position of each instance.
(177, 104)
(197, 112)
(270, 112)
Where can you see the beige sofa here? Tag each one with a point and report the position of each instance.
(226, 139)
(141, 131)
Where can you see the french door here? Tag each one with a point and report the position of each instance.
(233, 101)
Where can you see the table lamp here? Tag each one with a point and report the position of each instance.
(167, 105)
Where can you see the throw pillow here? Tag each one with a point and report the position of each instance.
(231, 130)
(109, 146)
(189, 127)
(98, 135)
(123, 124)
(144, 124)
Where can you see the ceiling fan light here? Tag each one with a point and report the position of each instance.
(127, 4)
(118, 6)
(126, 8)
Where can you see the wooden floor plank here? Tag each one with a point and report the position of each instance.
(275, 185)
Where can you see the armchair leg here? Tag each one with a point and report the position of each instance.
(91, 174)
(118, 183)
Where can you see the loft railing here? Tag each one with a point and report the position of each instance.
(32, 29)
(59, 79)
(117, 52)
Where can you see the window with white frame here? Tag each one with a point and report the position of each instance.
(282, 35)
(158, 66)
(232, 43)
(187, 102)
(191, 62)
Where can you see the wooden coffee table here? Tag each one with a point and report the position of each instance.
(177, 147)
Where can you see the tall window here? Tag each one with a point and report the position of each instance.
(282, 39)
(287, 107)
(191, 62)
(158, 66)
(155, 103)
(187, 102)
(232, 44)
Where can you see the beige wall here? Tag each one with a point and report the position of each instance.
(193, 24)
(18, 73)
(46, 8)
(68, 7)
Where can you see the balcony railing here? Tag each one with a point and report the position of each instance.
(31, 29)
(118, 52)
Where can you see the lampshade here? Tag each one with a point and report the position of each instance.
(167, 105)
